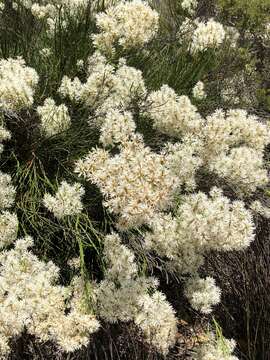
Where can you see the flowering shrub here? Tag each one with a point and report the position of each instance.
(141, 170)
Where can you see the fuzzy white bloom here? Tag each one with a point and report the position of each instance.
(202, 294)
(123, 295)
(172, 114)
(157, 320)
(67, 200)
(7, 191)
(259, 208)
(117, 128)
(42, 11)
(198, 91)
(243, 168)
(215, 223)
(70, 88)
(54, 119)
(4, 134)
(189, 6)
(165, 240)
(107, 87)
(17, 84)
(220, 349)
(128, 24)
(183, 160)
(80, 64)
(31, 300)
(207, 35)
(121, 260)
(135, 183)
(8, 228)
(224, 130)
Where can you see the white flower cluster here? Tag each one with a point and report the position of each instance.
(183, 160)
(172, 114)
(243, 168)
(17, 84)
(202, 294)
(220, 349)
(8, 228)
(54, 119)
(107, 87)
(128, 24)
(67, 200)
(201, 224)
(117, 128)
(42, 11)
(259, 208)
(30, 300)
(135, 183)
(207, 36)
(7, 191)
(233, 148)
(189, 6)
(198, 91)
(4, 135)
(123, 295)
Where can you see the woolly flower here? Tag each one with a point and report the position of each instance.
(232, 35)
(215, 223)
(70, 88)
(107, 87)
(202, 294)
(7, 191)
(54, 119)
(42, 11)
(4, 134)
(135, 182)
(243, 168)
(166, 241)
(207, 35)
(157, 320)
(123, 296)
(67, 200)
(17, 84)
(120, 258)
(31, 300)
(259, 208)
(224, 130)
(189, 6)
(183, 160)
(8, 228)
(198, 91)
(129, 24)
(220, 349)
(117, 128)
(172, 114)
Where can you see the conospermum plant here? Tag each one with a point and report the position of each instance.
(115, 172)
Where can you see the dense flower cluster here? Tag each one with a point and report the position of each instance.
(54, 119)
(107, 87)
(30, 299)
(202, 293)
(135, 183)
(207, 35)
(8, 228)
(123, 295)
(189, 6)
(128, 24)
(67, 200)
(17, 84)
(201, 224)
(220, 349)
(198, 91)
(7, 191)
(172, 114)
